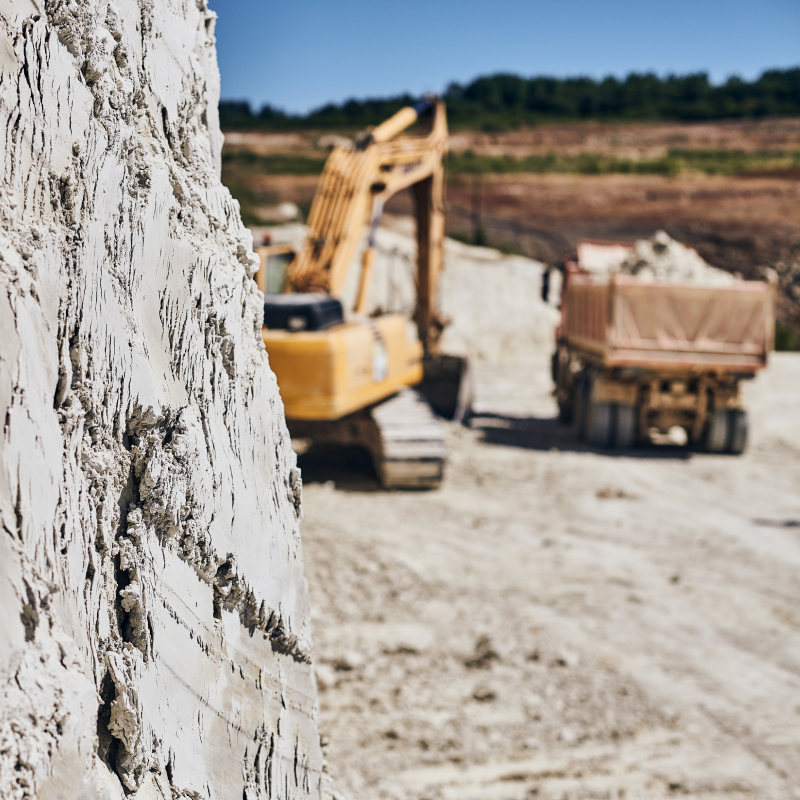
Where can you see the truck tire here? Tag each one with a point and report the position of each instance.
(625, 427)
(718, 431)
(738, 422)
(600, 424)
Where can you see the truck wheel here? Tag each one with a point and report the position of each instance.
(625, 428)
(717, 432)
(599, 424)
(738, 422)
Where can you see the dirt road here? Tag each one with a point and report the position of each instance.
(562, 623)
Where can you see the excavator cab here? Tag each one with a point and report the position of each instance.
(275, 260)
(302, 312)
(346, 377)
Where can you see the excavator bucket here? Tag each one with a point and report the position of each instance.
(446, 385)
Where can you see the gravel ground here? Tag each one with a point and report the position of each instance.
(556, 622)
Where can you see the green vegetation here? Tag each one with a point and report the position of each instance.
(240, 167)
(272, 164)
(249, 200)
(502, 102)
(468, 163)
(737, 162)
(479, 238)
(786, 338)
(708, 162)
(464, 236)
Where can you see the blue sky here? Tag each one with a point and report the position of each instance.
(300, 54)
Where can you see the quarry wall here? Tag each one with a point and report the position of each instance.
(154, 617)
(490, 301)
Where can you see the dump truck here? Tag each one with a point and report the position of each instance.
(346, 376)
(638, 356)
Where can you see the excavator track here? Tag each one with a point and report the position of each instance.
(409, 451)
(403, 436)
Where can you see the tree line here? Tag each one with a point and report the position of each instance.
(503, 101)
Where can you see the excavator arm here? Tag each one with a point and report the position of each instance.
(355, 184)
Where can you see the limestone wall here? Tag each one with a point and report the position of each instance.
(154, 620)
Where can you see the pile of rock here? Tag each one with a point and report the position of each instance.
(662, 258)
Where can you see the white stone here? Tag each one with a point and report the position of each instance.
(151, 577)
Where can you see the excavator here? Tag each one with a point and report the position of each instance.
(347, 377)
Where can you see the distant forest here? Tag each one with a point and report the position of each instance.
(501, 102)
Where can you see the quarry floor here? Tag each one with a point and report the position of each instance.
(556, 622)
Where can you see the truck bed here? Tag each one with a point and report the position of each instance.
(623, 321)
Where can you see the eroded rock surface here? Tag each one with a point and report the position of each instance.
(154, 634)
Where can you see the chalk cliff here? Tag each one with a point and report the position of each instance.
(154, 617)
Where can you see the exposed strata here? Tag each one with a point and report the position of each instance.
(154, 635)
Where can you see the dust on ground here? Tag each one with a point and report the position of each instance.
(558, 622)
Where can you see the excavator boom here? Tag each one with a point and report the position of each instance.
(355, 184)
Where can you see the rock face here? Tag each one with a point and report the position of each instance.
(154, 619)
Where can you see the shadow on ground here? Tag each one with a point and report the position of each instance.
(547, 433)
(351, 468)
(347, 468)
(777, 523)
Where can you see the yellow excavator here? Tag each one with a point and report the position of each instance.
(345, 377)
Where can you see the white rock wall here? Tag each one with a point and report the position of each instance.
(154, 620)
